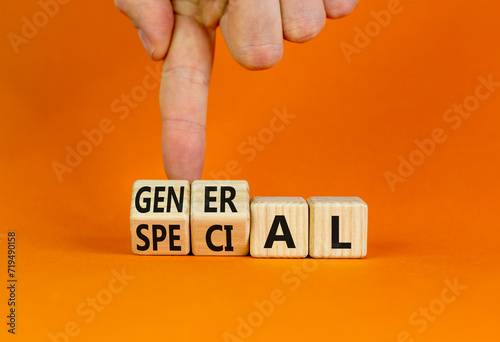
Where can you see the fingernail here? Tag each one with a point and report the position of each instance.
(150, 49)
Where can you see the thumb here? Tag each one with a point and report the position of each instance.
(154, 20)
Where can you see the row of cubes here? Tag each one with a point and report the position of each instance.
(173, 217)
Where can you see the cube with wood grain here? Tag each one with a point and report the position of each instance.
(338, 227)
(159, 217)
(279, 227)
(220, 217)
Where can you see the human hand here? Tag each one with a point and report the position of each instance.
(182, 32)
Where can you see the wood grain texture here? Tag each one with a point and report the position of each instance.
(352, 215)
(162, 211)
(220, 218)
(266, 212)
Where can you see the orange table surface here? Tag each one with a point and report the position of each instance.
(360, 123)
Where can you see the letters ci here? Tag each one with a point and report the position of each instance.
(228, 229)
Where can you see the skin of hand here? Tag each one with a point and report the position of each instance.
(182, 33)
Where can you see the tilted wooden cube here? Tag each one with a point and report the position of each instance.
(220, 217)
(338, 227)
(159, 217)
(279, 227)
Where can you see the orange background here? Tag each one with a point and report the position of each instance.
(353, 121)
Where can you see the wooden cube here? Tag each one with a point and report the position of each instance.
(159, 217)
(338, 227)
(220, 218)
(279, 227)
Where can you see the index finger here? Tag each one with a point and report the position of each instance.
(183, 98)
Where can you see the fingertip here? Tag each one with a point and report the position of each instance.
(336, 9)
(146, 42)
(253, 33)
(183, 153)
(259, 57)
(302, 20)
(154, 21)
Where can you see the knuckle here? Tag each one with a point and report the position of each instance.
(183, 125)
(188, 74)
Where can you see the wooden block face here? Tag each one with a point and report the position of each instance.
(220, 218)
(338, 227)
(159, 217)
(279, 227)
